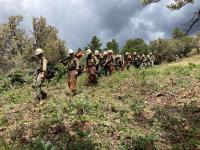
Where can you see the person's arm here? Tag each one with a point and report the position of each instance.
(106, 61)
(44, 67)
(77, 64)
(96, 60)
(85, 65)
(113, 57)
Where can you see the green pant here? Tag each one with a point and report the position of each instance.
(40, 94)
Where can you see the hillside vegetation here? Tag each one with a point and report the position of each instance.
(156, 108)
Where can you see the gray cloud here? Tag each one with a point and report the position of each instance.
(78, 20)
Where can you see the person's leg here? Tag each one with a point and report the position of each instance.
(73, 80)
(38, 85)
(106, 70)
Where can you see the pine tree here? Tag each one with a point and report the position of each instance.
(113, 45)
(46, 37)
(95, 44)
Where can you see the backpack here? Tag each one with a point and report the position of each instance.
(81, 69)
(50, 72)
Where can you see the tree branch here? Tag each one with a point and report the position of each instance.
(193, 21)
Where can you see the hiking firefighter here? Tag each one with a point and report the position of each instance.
(113, 61)
(40, 75)
(99, 59)
(109, 63)
(72, 64)
(128, 60)
(90, 67)
(152, 59)
(103, 62)
(119, 63)
(144, 61)
(136, 60)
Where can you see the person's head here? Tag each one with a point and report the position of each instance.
(109, 52)
(71, 53)
(117, 56)
(89, 52)
(127, 53)
(39, 53)
(96, 53)
(105, 53)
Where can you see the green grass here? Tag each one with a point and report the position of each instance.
(156, 108)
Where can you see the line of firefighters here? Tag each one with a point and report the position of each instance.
(95, 64)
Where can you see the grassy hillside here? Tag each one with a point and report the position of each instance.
(156, 108)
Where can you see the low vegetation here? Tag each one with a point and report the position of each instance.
(156, 108)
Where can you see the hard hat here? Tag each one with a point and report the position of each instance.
(89, 51)
(111, 51)
(70, 51)
(96, 52)
(151, 53)
(135, 53)
(39, 51)
(105, 53)
(127, 53)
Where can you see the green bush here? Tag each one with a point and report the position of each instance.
(138, 107)
(4, 84)
(4, 145)
(41, 145)
(140, 142)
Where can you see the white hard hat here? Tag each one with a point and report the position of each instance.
(127, 53)
(39, 51)
(89, 51)
(105, 53)
(109, 51)
(96, 52)
(70, 51)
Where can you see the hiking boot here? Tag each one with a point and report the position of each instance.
(44, 95)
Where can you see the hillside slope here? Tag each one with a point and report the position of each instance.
(156, 108)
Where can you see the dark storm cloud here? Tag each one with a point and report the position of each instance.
(78, 20)
(114, 15)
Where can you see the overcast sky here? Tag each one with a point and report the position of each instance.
(78, 20)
